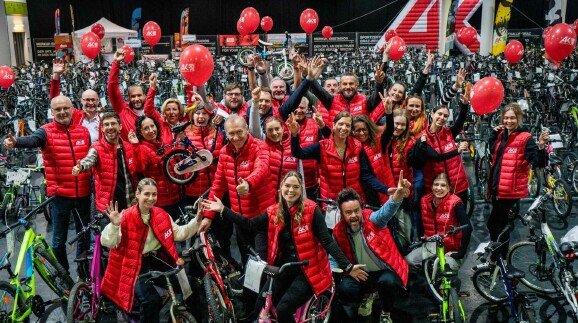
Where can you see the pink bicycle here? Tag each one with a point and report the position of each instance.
(317, 309)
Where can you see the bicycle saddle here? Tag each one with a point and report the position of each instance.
(514, 273)
(180, 127)
(569, 248)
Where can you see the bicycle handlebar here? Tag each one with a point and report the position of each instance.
(27, 216)
(156, 274)
(327, 201)
(438, 237)
(274, 270)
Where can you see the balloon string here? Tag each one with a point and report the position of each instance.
(392, 19)
(387, 5)
(535, 23)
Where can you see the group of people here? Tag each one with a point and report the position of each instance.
(273, 156)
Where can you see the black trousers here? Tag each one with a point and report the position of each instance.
(498, 221)
(384, 282)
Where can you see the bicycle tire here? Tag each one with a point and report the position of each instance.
(218, 311)
(483, 278)
(575, 178)
(316, 307)
(79, 295)
(455, 309)
(522, 256)
(534, 184)
(568, 163)
(562, 199)
(170, 160)
(284, 71)
(525, 310)
(58, 279)
(184, 317)
(55, 312)
(482, 170)
(242, 56)
(6, 306)
(471, 203)
(432, 277)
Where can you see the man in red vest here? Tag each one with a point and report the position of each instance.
(364, 238)
(63, 144)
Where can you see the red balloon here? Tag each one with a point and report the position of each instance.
(327, 32)
(575, 25)
(151, 33)
(514, 52)
(6, 76)
(98, 29)
(560, 42)
(467, 35)
(546, 31)
(266, 23)
(309, 20)
(390, 34)
(196, 64)
(396, 48)
(486, 95)
(128, 53)
(241, 27)
(90, 44)
(250, 19)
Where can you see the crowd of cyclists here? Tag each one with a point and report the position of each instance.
(393, 169)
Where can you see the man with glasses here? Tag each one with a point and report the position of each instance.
(88, 117)
(233, 102)
(63, 143)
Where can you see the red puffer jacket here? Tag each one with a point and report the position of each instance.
(442, 220)
(380, 168)
(379, 240)
(443, 142)
(336, 173)
(308, 135)
(394, 166)
(65, 147)
(252, 164)
(152, 166)
(356, 106)
(105, 171)
(204, 138)
(125, 261)
(120, 106)
(514, 168)
(241, 112)
(280, 161)
(318, 272)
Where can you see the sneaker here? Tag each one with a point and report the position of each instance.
(366, 307)
(484, 265)
(385, 318)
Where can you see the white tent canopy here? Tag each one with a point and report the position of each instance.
(111, 30)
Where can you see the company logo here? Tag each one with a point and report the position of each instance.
(356, 108)
(311, 21)
(444, 216)
(151, 33)
(244, 163)
(210, 142)
(309, 139)
(92, 44)
(302, 229)
(376, 157)
(449, 146)
(290, 159)
(352, 160)
(187, 68)
(568, 41)
(168, 233)
(8, 77)
(512, 150)
(130, 161)
(370, 236)
(80, 142)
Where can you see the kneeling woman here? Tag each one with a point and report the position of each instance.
(442, 210)
(141, 238)
(296, 231)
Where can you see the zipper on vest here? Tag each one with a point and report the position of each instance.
(73, 159)
(280, 166)
(236, 181)
(441, 151)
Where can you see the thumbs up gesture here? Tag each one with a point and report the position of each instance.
(77, 169)
(9, 141)
(243, 187)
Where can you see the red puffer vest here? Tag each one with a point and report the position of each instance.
(318, 272)
(120, 106)
(204, 138)
(252, 164)
(125, 261)
(443, 142)
(336, 173)
(514, 169)
(379, 241)
(152, 166)
(65, 147)
(242, 111)
(308, 135)
(277, 104)
(443, 219)
(105, 172)
(356, 106)
(377, 113)
(280, 161)
(379, 167)
(394, 166)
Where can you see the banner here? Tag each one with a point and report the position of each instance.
(341, 42)
(231, 44)
(64, 48)
(501, 27)
(184, 29)
(553, 12)
(161, 50)
(135, 21)
(57, 22)
(451, 25)
(44, 49)
(366, 41)
(209, 41)
(526, 36)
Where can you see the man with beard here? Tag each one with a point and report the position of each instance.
(128, 112)
(364, 238)
(279, 89)
(88, 117)
(348, 99)
(114, 166)
(233, 102)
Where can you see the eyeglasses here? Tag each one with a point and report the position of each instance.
(233, 94)
(90, 99)
(361, 130)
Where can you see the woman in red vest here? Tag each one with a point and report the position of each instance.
(442, 210)
(514, 150)
(149, 135)
(296, 231)
(141, 238)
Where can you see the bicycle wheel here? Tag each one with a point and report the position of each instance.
(7, 295)
(54, 313)
(433, 277)
(170, 163)
(562, 199)
(316, 307)
(243, 54)
(575, 178)
(567, 165)
(488, 282)
(79, 306)
(182, 316)
(538, 269)
(471, 203)
(455, 307)
(534, 183)
(284, 71)
(482, 171)
(525, 310)
(218, 311)
(52, 272)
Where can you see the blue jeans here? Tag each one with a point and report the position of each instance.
(60, 210)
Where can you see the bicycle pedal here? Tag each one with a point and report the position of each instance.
(434, 318)
(464, 294)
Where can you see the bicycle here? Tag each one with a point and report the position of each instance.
(442, 282)
(19, 295)
(20, 193)
(316, 309)
(552, 181)
(547, 266)
(497, 282)
(180, 165)
(282, 67)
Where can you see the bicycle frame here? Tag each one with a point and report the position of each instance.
(212, 269)
(446, 283)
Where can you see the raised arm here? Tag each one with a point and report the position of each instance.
(422, 79)
(113, 90)
(374, 99)
(313, 72)
(149, 107)
(254, 118)
(458, 125)
(310, 152)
